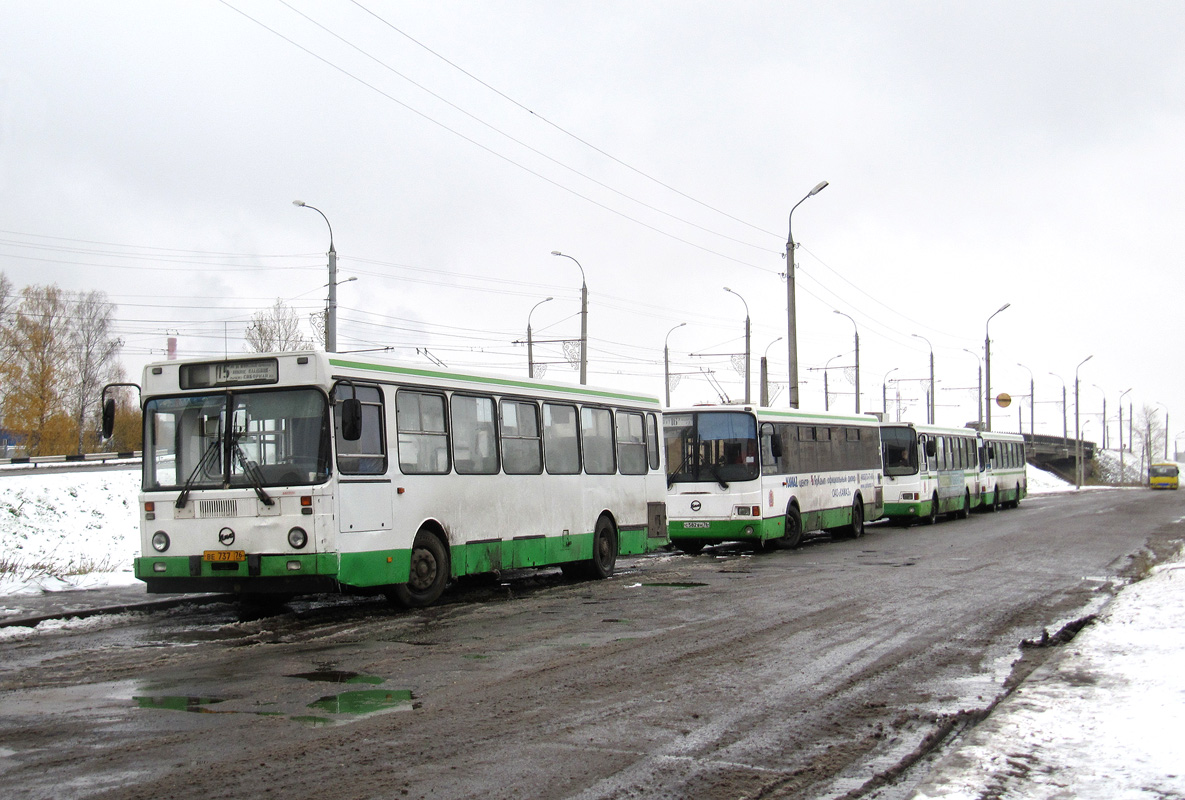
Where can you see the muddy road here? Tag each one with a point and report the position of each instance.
(836, 670)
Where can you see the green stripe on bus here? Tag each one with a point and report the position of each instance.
(518, 384)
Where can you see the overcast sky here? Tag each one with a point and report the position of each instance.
(977, 154)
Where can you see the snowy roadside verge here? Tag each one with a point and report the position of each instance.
(68, 530)
(1103, 719)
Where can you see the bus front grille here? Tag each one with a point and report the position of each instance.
(218, 508)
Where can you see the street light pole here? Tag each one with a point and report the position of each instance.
(1065, 428)
(530, 343)
(987, 367)
(1122, 472)
(978, 387)
(331, 304)
(666, 361)
(857, 332)
(931, 409)
(791, 310)
(747, 341)
(1032, 399)
(583, 319)
(1077, 432)
(765, 373)
(885, 394)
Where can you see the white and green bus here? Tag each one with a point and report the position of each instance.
(736, 473)
(930, 470)
(292, 473)
(1004, 475)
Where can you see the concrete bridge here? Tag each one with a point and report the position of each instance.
(1056, 453)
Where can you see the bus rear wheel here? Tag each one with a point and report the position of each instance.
(604, 554)
(857, 528)
(965, 511)
(428, 575)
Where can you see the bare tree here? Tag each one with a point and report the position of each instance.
(94, 359)
(276, 329)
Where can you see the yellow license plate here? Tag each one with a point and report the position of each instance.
(224, 555)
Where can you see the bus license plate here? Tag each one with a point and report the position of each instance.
(224, 555)
(695, 524)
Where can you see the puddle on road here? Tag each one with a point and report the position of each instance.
(677, 585)
(335, 709)
(198, 705)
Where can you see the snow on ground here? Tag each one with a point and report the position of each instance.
(1104, 720)
(68, 530)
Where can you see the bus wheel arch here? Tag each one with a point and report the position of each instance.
(429, 570)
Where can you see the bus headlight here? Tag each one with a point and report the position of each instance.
(160, 541)
(297, 538)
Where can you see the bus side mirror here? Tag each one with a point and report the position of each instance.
(931, 448)
(351, 419)
(108, 417)
(775, 446)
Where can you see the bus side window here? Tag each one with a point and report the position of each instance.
(475, 449)
(368, 454)
(631, 443)
(522, 447)
(561, 439)
(596, 433)
(423, 437)
(652, 449)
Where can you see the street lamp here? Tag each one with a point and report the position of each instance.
(765, 373)
(530, 344)
(1065, 428)
(747, 395)
(666, 361)
(791, 311)
(885, 394)
(857, 332)
(583, 319)
(927, 341)
(1122, 472)
(331, 305)
(1032, 399)
(979, 386)
(1104, 393)
(987, 366)
(1077, 434)
(826, 391)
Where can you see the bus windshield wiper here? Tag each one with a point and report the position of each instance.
(184, 496)
(716, 474)
(251, 470)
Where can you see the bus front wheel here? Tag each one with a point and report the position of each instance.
(793, 536)
(428, 575)
(933, 516)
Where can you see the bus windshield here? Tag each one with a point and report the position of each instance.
(1163, 470)
(900, 447)
(256, 439)
(716, 446)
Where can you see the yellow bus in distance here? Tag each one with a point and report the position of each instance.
(1162, 475)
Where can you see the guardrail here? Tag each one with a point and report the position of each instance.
(91, 457)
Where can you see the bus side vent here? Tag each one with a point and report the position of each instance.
(218, 508)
